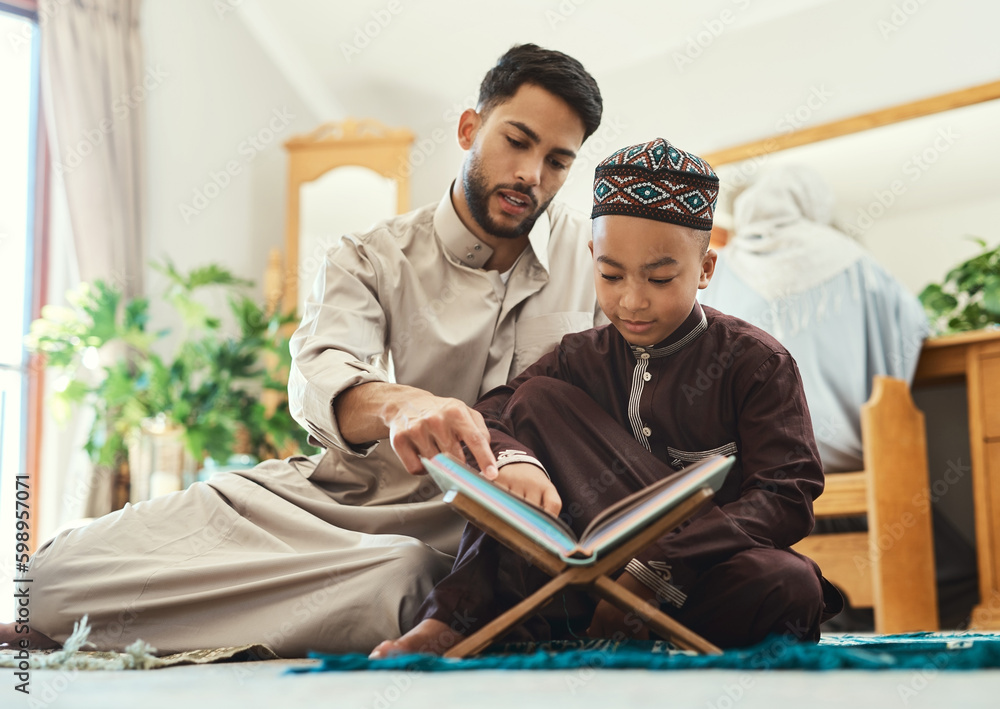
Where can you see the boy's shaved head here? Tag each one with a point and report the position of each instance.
(703, 237)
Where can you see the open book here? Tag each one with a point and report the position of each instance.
(615, 524)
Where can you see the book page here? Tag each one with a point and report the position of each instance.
(637, 511)
(551, 532)
(629, 501)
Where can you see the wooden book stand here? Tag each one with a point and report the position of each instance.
(592, 576)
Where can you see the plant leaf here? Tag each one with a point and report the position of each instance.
(991, 295)
(977, 240)
(213, 275)
(936, 301)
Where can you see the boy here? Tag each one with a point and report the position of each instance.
(616, 408)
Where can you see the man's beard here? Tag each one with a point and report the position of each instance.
(477, 196)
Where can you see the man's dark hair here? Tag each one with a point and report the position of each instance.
(557, 73)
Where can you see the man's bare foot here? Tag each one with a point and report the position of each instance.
(36, 641)
(429, 636)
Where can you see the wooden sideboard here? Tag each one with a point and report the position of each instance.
(975, 357)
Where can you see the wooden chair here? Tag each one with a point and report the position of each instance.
(890, 568)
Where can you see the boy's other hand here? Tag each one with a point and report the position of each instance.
(610, 622)
(531, 483)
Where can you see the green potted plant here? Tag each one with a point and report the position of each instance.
(210, 393)
(969, 296)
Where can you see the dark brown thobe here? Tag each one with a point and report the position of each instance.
(606, 418)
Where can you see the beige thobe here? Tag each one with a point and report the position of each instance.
(334, 552)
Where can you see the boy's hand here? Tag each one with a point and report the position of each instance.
(531, 483)
(610, 622)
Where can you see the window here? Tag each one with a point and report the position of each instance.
(18, 119)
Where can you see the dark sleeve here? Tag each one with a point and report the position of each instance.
(493, 404)
(780, 471)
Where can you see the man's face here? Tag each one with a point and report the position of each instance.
(519, 157)
(647, 274)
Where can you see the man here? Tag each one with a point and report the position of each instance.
(336, 552)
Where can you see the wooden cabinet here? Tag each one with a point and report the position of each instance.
(975, 356)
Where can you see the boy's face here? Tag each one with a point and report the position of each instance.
(647, 274)
(519, 156)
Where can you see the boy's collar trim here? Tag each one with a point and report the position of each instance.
(693, 326)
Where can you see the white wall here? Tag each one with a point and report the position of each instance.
(920, 246)
(747, 82)
(221, 92)
(703, 93)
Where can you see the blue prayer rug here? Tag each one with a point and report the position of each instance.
(938, 651)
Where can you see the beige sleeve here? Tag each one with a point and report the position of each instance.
(339, 343)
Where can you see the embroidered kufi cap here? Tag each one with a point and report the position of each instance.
(656, 180)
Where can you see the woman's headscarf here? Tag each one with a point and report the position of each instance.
(783, 241)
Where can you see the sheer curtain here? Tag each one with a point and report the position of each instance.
(92, 84)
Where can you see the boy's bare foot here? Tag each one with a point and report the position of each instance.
(36, 641)
(429, 636)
